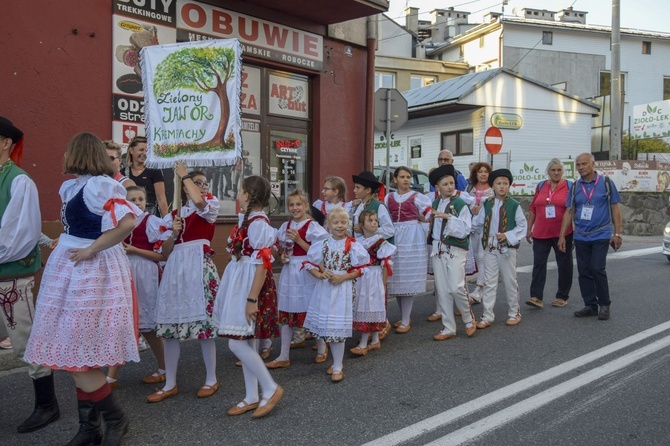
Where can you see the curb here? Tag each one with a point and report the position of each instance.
(9, 361)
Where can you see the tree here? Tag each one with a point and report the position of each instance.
(649, 145)
(204, 69)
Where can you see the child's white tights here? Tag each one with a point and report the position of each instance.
(254, 370)
(337, 350)
(172, 353)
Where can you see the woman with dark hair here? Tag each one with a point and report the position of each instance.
(150, 179)
(479, 191)
(85, 318)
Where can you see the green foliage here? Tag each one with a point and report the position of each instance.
(650, 145)
(199, 69)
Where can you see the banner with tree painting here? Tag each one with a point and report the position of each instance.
(192, 103)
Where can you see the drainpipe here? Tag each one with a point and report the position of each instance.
(368, 149)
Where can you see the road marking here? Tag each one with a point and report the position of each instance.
(455, 413)
(613, 256)
(485, 425)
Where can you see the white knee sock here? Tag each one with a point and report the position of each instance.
(407, 302)
(364, 340)
(171, 352)
(247, 352)
(209, 355)
(320, 346)
(286, 336)
(337, 350)
(265, 343)
(375, 337)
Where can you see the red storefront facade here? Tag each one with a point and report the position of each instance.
(58, 70)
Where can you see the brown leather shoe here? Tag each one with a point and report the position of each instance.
(265, 353)
(297, 345)
(207, 391)
(160, 395)
(321, 358)
(535, 302)
(434, 317)
(277, 364)
(358, 351)
(443, 336)
(514, 320)
(155, 378)
(402, 329)
(558, 302)
(483, 324)
(336, 377)
(330, 370)
(385, 331)
(237, 410)
(272, 402)
(376, 346)
(470, 331)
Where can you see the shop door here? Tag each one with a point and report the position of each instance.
(287, 168)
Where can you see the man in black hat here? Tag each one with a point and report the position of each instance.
(20, 229)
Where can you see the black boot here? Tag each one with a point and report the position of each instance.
(46, 405)
(116, 422)
(89, 425)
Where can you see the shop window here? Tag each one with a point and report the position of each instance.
(288, 165)
(417, 81)
(646, 47)
(459, 142)
(666, 88)
(384, 80)
(605, 83)
(547, 38)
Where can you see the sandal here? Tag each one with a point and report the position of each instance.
(402, 328)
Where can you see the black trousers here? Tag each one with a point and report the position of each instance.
(591, 264)
(541, 250)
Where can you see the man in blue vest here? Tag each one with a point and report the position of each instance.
(593, 205)
(20, 229)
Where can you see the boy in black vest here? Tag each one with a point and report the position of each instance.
(450, 227)
(504, 225)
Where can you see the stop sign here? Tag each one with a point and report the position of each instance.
(493, 140)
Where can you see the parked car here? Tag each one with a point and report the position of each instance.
(666, 241)
(419, 178)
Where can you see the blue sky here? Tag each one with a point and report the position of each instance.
(646, 14)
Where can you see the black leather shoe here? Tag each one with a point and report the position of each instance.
(604, 313)
(586, 312)
(46, 406)
(89, 425)
(116, 421)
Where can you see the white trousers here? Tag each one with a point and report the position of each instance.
(449, 270)
(496, 264)
(16, 315)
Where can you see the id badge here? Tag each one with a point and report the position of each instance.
(587, 212)
(550, 211)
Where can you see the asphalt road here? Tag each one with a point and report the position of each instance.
(552, 380)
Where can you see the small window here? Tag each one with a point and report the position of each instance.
(666, 88)
(384, 80)
(605, 83)
(646, 47)
(547, 38)
(417, 81)
(460, 142)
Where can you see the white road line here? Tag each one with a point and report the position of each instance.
(444, 418)
(613, 256)
(487, 424)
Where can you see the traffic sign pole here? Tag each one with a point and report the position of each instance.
(388, 138)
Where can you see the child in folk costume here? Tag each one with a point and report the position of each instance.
(84, 318)
(144, 249)
(371, 295)
(189, 284)
(334, 193)
(503, 226)
(246, 307)
(450, 234)
(336, 262)
(407, 209)
(295, 284)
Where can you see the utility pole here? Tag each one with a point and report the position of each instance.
(615, 83)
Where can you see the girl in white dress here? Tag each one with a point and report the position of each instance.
(295, 283)
(336, 261)
(371, 296)
(408, 209)
(84, 318)
(334, 193)
(246, 305)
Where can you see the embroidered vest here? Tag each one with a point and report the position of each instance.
(372, 251)
(138, 238)
(297, 249)
(31, 263)
(507, 220)
(241, 235)
(405, 211)
(195, 228)
(454, 208)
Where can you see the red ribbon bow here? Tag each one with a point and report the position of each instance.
(357, 268)
(307, 262)
(109, 206)
(387, 264)
(347, 244)
(266, 255)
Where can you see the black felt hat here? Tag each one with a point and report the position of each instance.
(500, 173)
(366, 179)
(445, 170)
(8, 130)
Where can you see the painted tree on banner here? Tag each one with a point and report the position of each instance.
(206, 70)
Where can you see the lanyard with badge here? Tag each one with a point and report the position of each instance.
(550, 209)
(587, 209)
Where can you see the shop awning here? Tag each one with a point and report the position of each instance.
(325, 12)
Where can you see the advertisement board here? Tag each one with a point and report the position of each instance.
(651, 120)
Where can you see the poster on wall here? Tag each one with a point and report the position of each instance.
(192, 100)
(398, 152)
(528, 174)
(288, 96)
(135, 27)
